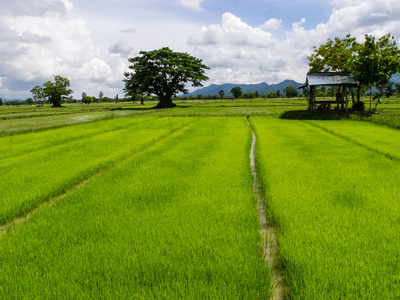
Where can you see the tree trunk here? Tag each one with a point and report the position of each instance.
(165, 102)
(370, 97)
(56, 100)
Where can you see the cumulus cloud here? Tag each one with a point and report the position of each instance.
(272, 24)
(36, 8)
(96, 69)
(191, 4)
(39, 39)
(231, 31)
(121, 48)
(42, 38)
(240, 53)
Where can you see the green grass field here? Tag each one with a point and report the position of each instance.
(174, 221)
(335, 203)
(159, 204)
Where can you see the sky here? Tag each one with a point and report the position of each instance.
(242, 41)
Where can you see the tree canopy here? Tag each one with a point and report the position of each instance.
(237, 92)
(38, 93)
(55, 90)
(163, 73)
(372, 62)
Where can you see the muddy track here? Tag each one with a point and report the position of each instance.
(12, 224)
(268, 237)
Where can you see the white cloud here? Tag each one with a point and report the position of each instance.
(90, 44)
(96, 69)
(39, 39)
(272, 24)
(240, 53)
(232, 31)
(191, 4)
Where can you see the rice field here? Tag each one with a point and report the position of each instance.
(151, 204)
(333, 197)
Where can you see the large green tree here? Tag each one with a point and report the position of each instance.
(377, 60)
(57, 89)
(237, 92)
(163, 73)
(337, 55)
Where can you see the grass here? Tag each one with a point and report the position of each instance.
(171, 212)
(335, 206)
(16, 145)
(28, 180)
(17, 120)
(177, 221)
(382, 140)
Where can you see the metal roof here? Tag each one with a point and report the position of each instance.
(331, 78)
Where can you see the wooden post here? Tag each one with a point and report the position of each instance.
(312, 98)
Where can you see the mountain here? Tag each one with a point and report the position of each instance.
(261, 88)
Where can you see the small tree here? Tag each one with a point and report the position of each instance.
(397, 88)
(221, 94)
(237, 92)
(38, 94)
(88, 100)
(55, 90)
(84, 95)
(163, 73)
(291, 92)
(1, 102)
(101, 95)
(116, 99)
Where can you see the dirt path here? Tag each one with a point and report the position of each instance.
(268, 237)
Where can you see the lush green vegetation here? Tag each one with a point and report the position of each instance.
(177, 221)
(159, 203)
(335, 203)
(29, 179)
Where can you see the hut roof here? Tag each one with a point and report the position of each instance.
(331, 78)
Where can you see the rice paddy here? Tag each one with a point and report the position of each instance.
(161, 204)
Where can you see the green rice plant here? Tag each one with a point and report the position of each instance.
(16, 145)
(336, 209)
(177, 221)
(39, 123)
(28, 180)
(383, 140)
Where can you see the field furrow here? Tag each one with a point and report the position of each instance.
(28, 180)
(335, 205)
(177, 221)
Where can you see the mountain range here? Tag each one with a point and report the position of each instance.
(261, 88)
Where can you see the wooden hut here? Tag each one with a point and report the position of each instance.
(343, 80)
